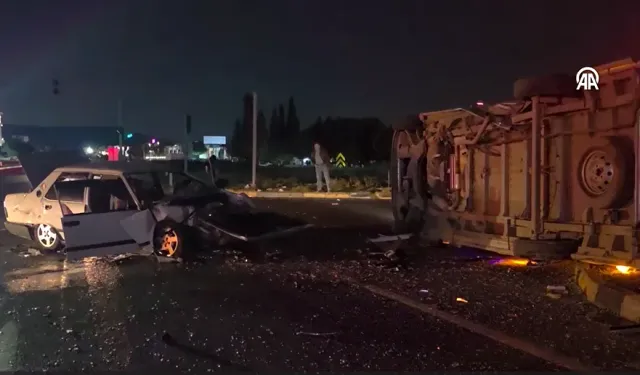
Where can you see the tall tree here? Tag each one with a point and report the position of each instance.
(293, 123)
(282, 134)
(237, 139)
(273, 125)
(263, 131)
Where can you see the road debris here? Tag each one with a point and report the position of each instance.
(554, 295)
(382, 238)
(317, 334)
(34, 252)
(557, 289)
(462, 300)
(628, 329)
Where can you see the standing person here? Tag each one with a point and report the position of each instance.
(321, 160)
(212, 168)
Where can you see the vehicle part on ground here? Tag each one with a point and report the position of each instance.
(169, 239)
(553, 173)
(47, 237)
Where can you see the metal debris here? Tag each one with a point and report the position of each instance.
(629, 329)
(557, 289)
(382, 238)
(317, 334)
(554, 295)
(34, 252)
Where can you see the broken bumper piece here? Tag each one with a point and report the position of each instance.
(256, 237)
(254, 226)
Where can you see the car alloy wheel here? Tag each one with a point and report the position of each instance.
(47, 236)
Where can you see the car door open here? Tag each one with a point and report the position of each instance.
(99, 231)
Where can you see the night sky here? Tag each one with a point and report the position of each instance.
(384, 58)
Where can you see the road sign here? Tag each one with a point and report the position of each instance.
(587, 79)
(341, 161)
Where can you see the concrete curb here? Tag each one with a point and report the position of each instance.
(623, 303)
(309, 195)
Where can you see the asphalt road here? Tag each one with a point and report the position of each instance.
(301, 304)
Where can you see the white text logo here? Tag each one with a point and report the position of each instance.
(587, 79)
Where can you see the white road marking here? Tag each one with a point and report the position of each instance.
(548, 355)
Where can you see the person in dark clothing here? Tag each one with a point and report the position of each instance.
(211, 168)
(321, 161)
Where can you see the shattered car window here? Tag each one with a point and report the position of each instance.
(154, 186)
(146, 186)
(66, 190)
(186, 185)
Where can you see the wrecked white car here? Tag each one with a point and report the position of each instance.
(111, 208)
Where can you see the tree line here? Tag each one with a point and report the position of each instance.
(358, 139)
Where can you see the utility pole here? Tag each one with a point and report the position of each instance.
(254, 161)
(187, 131)
(120, 129)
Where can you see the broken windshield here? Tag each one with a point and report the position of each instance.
(146, 186)
(151, 187)
(184, 185)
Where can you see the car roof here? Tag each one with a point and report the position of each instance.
(121, 167)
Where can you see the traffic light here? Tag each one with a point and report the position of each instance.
(129, 135)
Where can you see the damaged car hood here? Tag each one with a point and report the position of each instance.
(222, 211)
(38, 165)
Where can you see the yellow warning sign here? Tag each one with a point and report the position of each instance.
(340, 160)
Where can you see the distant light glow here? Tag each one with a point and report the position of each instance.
(129, 135)
(88, 150)
(479, 103)
(153, 140)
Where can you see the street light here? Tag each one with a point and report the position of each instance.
(129, 135)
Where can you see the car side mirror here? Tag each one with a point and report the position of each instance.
(222, 183)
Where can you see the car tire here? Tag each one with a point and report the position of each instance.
(605, 173)
(47, 237)
(168, 239)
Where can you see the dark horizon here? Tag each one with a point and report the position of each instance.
(339, 59)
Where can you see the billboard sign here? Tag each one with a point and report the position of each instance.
(214, 140)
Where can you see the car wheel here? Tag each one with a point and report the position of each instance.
(47, 237)
(168, 239)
